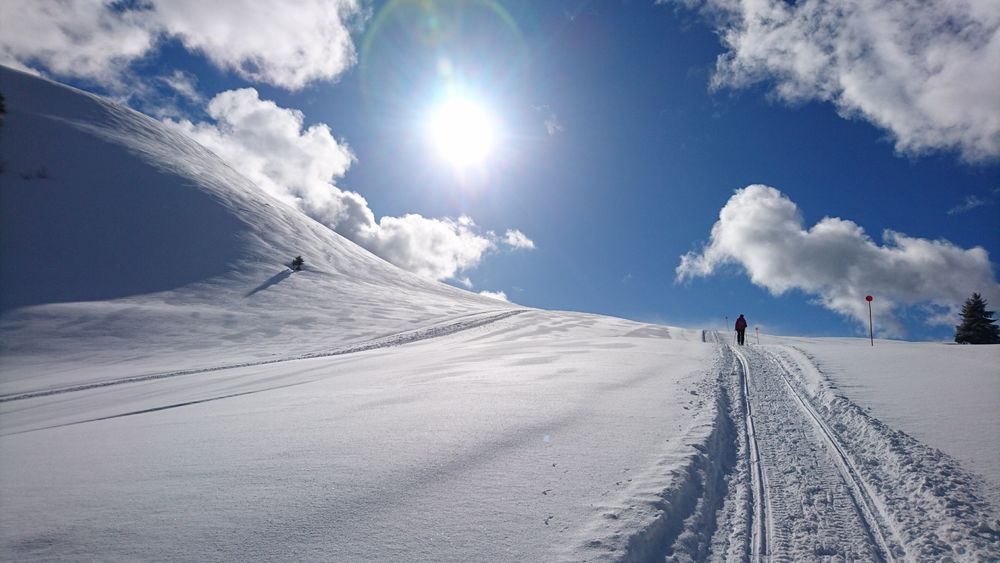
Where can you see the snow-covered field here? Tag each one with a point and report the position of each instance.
(171, 391)
(509, 440)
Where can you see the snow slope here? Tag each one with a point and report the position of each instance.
(523, 439)
(171, 391)
(129, 245)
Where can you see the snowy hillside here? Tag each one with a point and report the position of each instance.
(116, 230)
(170, 390)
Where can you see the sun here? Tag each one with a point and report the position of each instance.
(463, 132)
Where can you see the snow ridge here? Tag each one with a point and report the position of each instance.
(686, 522)
(675, 518)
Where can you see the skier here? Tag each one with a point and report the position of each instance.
(741, 327)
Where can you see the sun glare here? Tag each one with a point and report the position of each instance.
(463, 132)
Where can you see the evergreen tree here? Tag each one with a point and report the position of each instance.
(977, 323)
(297, 263)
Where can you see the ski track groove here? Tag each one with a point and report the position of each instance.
(761, 513)
(790, 452)
(445, 328)
(873, 513)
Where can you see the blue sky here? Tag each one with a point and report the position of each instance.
(614, 153)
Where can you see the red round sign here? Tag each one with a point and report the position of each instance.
(868, 298)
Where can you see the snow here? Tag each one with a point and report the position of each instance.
(944, 395)
(171, 390)
(141, 251)
(497, 441)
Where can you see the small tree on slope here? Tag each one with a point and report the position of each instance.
(977, 323)
(297, 263)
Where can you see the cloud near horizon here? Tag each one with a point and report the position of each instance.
(500, 295)
(761, 230)
(260, 41)
(928, 72)
(300, 165)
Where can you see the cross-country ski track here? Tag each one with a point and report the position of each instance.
(815, 500)
(785, 469)
(819, 478)
(437, 330)
(761, 513)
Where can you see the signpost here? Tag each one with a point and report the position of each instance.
(871, 331)
(756, 330)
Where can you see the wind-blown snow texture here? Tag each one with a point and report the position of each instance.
(170, 390)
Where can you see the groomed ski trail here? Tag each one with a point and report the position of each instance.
(760, 517)
(815, 502)
(437, 330)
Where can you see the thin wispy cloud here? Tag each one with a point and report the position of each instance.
(184, 84)
(761, 231)
(551, 121)
(271, 42)
(301, 165)
(971, 202)
(926, 71)
(553, 126)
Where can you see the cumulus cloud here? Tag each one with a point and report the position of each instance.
(762, 231)
(433, 248)
(516, 239)
(502, 296)
(272, 42)
(927, 71)
(299, 165)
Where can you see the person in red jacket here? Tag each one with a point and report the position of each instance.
(741, 328)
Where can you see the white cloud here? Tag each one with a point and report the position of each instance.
(82, 38)
(269, 145)
(762, 231)
(433, 248)
(928, 72)
(300, 165)
(971, 202)
(516, 239)
(552, 123)
(272, 42)
(502, 296)
(184, 84)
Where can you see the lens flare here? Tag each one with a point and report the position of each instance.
(463, 132)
